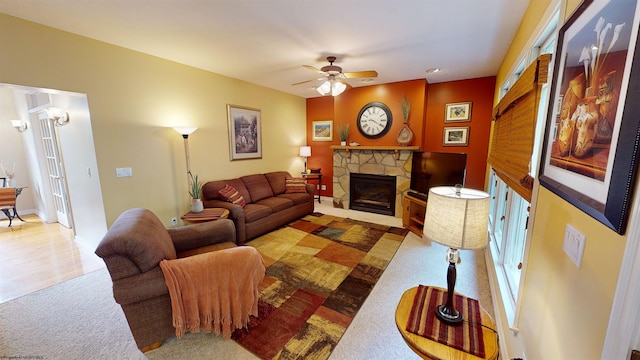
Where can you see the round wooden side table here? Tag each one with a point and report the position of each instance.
(429, 349)
(208, 214)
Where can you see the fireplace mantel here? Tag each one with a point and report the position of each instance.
(395, 149)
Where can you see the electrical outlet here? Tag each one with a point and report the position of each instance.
(124, 172)
(324, 187)
(174, 221)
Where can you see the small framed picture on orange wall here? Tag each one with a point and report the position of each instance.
(456, 136)
(458, 112)
(323, 130)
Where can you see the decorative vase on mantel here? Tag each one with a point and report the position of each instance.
(405, 136)
(197, 206)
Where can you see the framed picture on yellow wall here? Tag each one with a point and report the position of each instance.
(323, 130)
(590, 150)
(244, 133)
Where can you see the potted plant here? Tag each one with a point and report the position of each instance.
(195, 192)
(405, 136)
(343, 133)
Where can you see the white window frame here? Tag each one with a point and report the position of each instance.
(510, 237)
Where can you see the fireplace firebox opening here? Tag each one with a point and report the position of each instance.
(373, 193)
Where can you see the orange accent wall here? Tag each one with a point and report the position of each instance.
(480, 92)
(321, 108)
(426, 120)
(349, 104)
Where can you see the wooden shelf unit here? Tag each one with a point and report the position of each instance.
(413, 213)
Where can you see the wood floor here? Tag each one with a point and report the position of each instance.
(35, 255)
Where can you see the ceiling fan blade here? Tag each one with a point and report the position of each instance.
(346, 83)
(361, 74)
(306, 81)
(314, 69)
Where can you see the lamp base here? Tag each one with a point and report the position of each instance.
(447, 312)
(448, 316)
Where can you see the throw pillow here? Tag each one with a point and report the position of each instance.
(295, 185)
(230, 194)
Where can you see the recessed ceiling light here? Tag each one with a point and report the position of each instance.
(367, 80)
(433, 70)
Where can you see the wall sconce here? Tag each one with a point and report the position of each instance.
(59, 117)
(20, 125)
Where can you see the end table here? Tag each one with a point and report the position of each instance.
(314, 176)
(429, 349)
(208, 214)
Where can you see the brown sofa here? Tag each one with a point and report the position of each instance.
(269, 205)
(132, 250)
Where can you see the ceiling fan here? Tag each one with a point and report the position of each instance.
(335, 83)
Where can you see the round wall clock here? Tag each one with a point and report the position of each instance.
(374, 120)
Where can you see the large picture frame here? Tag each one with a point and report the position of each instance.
(591, 138)
(457, 112)
(456, 136)
(322, 130)
(244, 132)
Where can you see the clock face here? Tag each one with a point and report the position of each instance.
(374, 120)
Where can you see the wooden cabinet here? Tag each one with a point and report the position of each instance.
(413, 214)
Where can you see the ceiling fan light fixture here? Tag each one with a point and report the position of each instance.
(325, 88)
(338, 88)
(332, 87)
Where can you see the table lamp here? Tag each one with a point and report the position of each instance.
(305, 152)
(456, 217)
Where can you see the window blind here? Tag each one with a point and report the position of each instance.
(514, 128)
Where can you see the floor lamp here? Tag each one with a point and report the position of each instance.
(185, 131)
(456, 217)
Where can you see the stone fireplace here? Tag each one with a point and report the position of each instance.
(375, 160)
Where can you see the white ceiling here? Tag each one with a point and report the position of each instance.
(266, 42)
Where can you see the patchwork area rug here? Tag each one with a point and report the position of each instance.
(320, 270)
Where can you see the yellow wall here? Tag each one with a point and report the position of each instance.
(565, 309)
(528, 24)
(134, 99)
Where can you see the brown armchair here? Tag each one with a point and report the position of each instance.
(132, 250)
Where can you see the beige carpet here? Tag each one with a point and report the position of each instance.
(78, 319)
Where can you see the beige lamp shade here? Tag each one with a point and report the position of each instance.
(458, 220)
(305, 151)
(185, 130)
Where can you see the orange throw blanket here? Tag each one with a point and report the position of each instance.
(215, 291)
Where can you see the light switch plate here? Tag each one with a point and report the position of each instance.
(573, 245)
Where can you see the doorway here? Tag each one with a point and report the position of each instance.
(67, 180)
